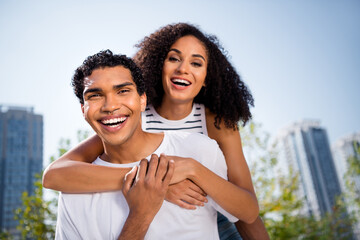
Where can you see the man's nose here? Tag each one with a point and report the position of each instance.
(110, 105)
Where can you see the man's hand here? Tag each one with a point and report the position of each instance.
(144, 190)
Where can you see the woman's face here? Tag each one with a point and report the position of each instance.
(184, 69)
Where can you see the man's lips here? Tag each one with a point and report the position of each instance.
(113, 121)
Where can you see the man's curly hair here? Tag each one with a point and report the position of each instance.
(225, 93)
(101, 60)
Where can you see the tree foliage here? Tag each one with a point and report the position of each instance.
(4, 235)
(37, 216)
(277, 191)
(352, 191)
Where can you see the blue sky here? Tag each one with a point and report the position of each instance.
(300, 59)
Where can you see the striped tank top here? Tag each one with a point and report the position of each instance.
(194, 122)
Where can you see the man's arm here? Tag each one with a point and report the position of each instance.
(144, 190)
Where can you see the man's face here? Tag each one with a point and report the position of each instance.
(112, 105)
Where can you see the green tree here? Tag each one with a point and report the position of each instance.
(37, 216)
(4, 235)
(277, 191)
(352, 189)
(353, 173)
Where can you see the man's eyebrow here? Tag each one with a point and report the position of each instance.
(123, 85)
(91, 90)
(194, 55)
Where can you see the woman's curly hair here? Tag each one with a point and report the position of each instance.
(104, 59)
(225, 93)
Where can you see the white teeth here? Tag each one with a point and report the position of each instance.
(185, 82)
(114, 120)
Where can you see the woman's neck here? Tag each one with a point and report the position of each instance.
(174, 111)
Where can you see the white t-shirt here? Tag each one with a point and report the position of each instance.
(102, 215)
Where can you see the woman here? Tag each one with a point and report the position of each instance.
(191, 86)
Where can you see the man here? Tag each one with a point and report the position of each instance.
(113, 97)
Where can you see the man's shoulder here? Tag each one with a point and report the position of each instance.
(189, 138)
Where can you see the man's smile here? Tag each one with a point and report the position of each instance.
(113, 122)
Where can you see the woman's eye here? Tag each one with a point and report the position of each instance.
(196, 64)
(173, 59)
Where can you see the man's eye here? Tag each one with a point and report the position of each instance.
(95, 95)
(122, 91)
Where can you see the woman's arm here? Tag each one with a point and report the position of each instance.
(72, 172)
(235, 200)
(230, 144)
(229, 141)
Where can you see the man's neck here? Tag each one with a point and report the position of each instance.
(139, 146)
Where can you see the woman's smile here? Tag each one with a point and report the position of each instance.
(184, 70)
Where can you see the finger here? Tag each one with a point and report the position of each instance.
(162, 168)
(169, 173)
(196, 188)
(153, 164)
(128, 180)
(195, 198)
(185, 205)
(142, 170)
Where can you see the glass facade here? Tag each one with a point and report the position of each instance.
(343, 149)
(21, 157)
(305, 147)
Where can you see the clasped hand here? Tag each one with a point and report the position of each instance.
(145, 186)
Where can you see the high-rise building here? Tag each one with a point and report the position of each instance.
(21, 157)
(343, 149)
(305, 147)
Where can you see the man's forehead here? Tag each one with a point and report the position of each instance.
(88, 82)
(109, 75)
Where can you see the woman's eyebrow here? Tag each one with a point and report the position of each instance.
(194, 55)
(175, 50)
(199, 56)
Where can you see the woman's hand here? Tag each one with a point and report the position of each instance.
(186, 194)
(184, 168)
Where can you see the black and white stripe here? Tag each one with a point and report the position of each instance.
(194, 122)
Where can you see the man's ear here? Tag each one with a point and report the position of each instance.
(143, 101)
(82, 109)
